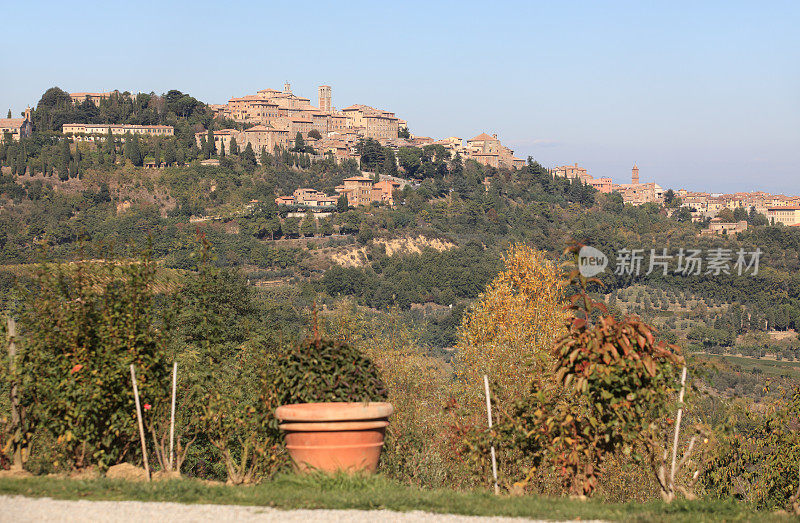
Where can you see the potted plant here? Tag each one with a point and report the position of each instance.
(333, 410)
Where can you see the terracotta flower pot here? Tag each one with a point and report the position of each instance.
(334, 437)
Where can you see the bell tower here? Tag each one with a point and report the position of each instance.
(287, 87)
(325, 99)
(635, 174)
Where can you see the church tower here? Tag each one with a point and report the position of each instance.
(325, 99)
(287, 87)
(635, 174)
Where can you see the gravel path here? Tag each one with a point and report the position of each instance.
(20, 509)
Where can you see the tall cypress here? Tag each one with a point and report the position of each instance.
(64, 158)
(249, 158)
(212, 148)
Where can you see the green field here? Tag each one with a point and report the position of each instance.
(785, 369)
(293, 492)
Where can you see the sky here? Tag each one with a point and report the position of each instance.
(702, 95)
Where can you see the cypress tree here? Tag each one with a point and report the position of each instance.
(22, 161)
(212, 148)
(234, 147)
(64, 158)
(109, 145)
(341, 203)
(264, 157)
(170, 157)
(299, 143)
(132, 150)
(249, 158)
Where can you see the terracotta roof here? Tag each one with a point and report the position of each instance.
(11, 122)
(483, 136)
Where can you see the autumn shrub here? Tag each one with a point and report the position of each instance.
(604, 394)
(82, 326)
(508, 335)
(758, 458)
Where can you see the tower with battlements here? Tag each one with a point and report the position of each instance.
(635, 174)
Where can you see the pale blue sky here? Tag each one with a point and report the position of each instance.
(702, 95)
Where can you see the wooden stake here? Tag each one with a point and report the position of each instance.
(139, 418)
(172, 415)
(677, 431)
(16, 416)
(489, 416)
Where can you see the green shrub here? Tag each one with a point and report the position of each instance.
(82, 327)
(320, 370)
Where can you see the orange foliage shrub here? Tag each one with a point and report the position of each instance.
(510, 332)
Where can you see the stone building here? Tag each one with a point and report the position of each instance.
(371, 122)
(95, 98)
(91, 130)
(358, 190)
(785, 214)
(571, 172)
(637, 193)
(717, 226)
(263, 137)
(362, 190)
(603, 185)
(259, 137)
(16, 128)
(487, 150)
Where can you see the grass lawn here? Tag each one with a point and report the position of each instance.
(289, 492)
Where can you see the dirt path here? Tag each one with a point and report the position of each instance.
(20, 509)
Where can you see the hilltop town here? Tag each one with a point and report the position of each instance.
(277, 120)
